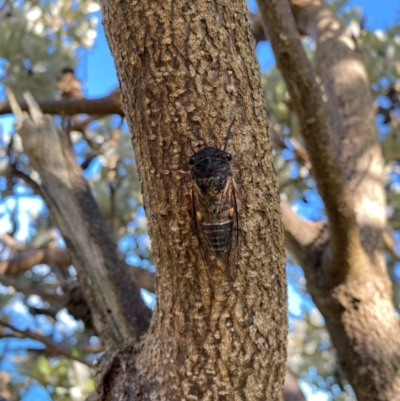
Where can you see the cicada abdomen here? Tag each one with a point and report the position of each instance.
(214, 205)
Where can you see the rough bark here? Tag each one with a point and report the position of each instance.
(118, 311)
(357, 308)
(186, 70)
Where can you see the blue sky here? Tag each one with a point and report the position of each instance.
(96, 67)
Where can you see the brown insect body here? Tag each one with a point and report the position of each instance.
(214, 204)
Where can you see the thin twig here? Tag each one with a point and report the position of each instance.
(45, 295)
(52, 346)
(11, 242)
(105, 106)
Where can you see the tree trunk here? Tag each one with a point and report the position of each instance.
(188, 70)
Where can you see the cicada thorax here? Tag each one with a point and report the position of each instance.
(214, 202)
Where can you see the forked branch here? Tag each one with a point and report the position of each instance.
(299, 76)
(300, 235)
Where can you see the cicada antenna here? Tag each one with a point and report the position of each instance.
(229, 134)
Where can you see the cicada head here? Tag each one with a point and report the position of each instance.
(210, 168)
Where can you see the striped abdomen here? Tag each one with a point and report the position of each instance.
(216, 225)
(218, 236)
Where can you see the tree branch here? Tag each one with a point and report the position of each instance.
(256, 28)
(117, 308)
(25, 260)
(351, 116)
(53, 347)
(300, 153)
(10, 241)
(299, 76)
(355, 306)
(110, 104)
(144, 278)
(389, 244)
(292, 390)
(60, 257)
(83, 349)
(45, 295)
(197, 295)
(300, 235)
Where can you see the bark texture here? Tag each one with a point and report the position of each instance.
(349, 283)
(186, 70)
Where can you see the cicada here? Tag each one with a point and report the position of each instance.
(214, 205)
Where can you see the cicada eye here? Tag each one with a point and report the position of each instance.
(191, 161)
(229, 156)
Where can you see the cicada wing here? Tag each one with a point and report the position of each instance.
(200, 212)
(203, 216)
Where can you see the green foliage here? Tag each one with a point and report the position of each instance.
(39, 38)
